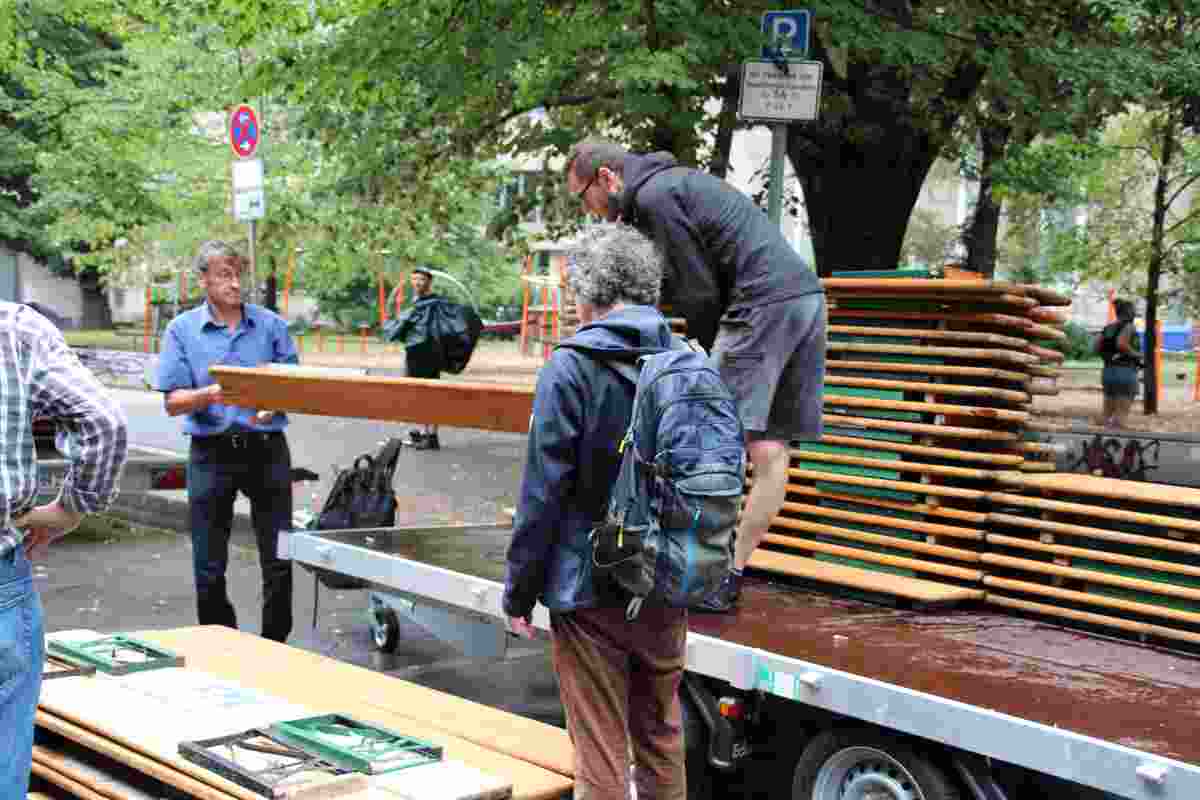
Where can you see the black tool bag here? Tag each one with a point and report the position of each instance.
(361, 497)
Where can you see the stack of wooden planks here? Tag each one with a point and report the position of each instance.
(927, 394)
(117, 737)
(1120, 555)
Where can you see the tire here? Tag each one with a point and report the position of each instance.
(853, 763)
(385, 629)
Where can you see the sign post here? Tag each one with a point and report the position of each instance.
(249, 199)
(779, 91)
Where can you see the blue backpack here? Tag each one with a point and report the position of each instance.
(668, 531)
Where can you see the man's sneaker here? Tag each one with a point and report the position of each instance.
(427, 442)
(415, 436)
(724, 598)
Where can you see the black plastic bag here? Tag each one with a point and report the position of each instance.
(441, 334)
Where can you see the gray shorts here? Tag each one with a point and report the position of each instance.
(772, 358)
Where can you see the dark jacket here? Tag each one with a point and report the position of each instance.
(723, 253)
(437, 334)
(580, 412)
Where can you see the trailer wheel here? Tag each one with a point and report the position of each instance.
(859, 763)
(385, 629)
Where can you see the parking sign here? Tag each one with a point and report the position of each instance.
(787, 33)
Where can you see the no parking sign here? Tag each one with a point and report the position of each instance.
(244, 133)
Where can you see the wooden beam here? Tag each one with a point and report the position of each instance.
(492, 407)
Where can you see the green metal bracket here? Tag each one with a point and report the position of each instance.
(115, 655)
(356, 745)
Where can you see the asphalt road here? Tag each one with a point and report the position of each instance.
(113, 578)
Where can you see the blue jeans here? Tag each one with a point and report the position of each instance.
(21, 651)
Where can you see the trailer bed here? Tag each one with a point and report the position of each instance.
(1108, 713)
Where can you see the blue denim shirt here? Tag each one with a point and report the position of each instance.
(195, 341)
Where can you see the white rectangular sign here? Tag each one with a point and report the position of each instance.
(247, 175)
(248, 205)
(770, 94)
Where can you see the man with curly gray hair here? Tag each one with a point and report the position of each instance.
(619, 679)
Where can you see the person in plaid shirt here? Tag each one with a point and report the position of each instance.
(41, 377)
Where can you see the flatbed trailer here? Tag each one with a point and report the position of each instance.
(855, 699)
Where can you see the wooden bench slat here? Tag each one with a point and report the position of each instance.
(1094, 554)
(896, 542)
(1149, 609)
(899, 523)
(951, 431)
(1054, 526)
(1141, 628)
(915, 589)
(983, 373)
(1093, 576)
(998, 414)
(1096, 512)
(1000, 459)
(986, 392)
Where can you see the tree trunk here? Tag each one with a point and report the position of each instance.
(1157, 258)
(731, 91)
(850, 230)
(982, 227)
(97, 313)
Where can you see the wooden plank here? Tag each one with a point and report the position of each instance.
(139, 761)
(1047, 297)
(1092, 576)
(1024, 360)
(999, 459)
(1048, 316)
(1046, 354)
(981, 373)
(895, 466)
(894, 542)
(999, 414)
(1037, 523)
(67, 784)
(879, 520)
(1038, 466)
(1024, 324)
(870, 556)
(931, 334)
(880, 483)
(957, 389)
(1092, 554)
(956, 301)
(856, 287)
(483, 406)
(950, 431)
(916, 589)
(1140, 628)
(1109, 489)
(1058, 593)
(1096, 511)
(926, 509)
(87, 771)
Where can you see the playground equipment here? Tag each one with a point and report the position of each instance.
(548, 312)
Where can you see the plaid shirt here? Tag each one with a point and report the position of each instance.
(41, 377)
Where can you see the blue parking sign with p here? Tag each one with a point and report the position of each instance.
(786, 33)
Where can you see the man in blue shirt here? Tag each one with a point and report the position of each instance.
(233, 449)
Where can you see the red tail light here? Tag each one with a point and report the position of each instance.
(731, 708)
(169, 479)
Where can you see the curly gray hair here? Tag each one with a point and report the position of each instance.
(612, 264)
(214, 248)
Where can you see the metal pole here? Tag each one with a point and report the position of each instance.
(775, 189)
(253, 266)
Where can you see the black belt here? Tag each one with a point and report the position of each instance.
(237, 439)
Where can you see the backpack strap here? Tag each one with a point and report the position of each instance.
(623, 363)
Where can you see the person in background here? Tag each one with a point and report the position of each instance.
(747, 296)
(232, 449)
(1120, 347)
(41, 377)
(417, 362)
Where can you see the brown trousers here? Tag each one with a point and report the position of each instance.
(619, 683)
